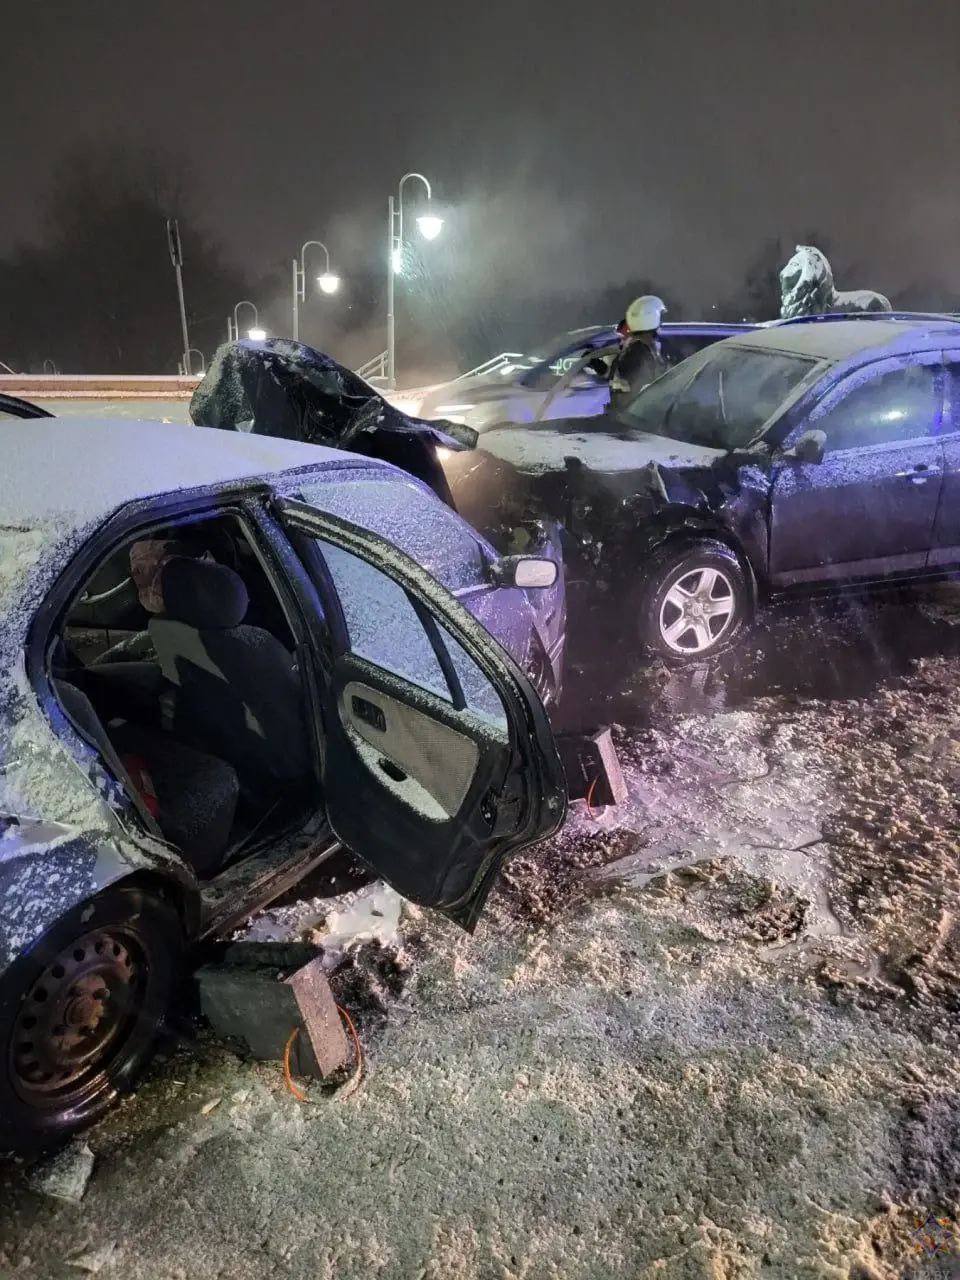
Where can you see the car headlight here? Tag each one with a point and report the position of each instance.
(453, 411)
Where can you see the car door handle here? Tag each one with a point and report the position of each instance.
(369, 713)
(919, 474)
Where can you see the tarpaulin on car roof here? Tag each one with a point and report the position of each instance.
(281, 388)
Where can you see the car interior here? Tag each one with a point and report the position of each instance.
(177, 662)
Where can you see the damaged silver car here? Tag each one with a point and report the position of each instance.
(288, 677)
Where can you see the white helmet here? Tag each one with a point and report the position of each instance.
(644, 314)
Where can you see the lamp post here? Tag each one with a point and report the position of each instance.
(328, 282)
(233, 326)
(430, 226)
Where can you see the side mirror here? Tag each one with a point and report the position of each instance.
(524, 571)
(809, 448)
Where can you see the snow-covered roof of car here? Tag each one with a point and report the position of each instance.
(81, 470)
(60, 478)
(841, 339)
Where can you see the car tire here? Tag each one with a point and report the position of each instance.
(81, 1012)
(702, 584)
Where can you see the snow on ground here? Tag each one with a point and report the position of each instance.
(712, 1034)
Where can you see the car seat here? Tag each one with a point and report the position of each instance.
(191, 796)
(235, 692)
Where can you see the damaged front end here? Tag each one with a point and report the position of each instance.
(611, 506)
(281, 388)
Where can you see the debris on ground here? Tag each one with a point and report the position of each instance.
(712, 1033)
(97, 1259)
(66, 1175)
(250, 994)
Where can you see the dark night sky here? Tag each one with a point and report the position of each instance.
(576, 143)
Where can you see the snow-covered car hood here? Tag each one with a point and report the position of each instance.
(546, 448)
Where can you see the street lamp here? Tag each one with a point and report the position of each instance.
(328, 282)
(233, 329)
(430, 226)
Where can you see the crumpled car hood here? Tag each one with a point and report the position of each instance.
(283, 388)
(607, 489)
(539, 449)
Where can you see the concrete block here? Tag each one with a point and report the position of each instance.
(251, 998)
(590, 760)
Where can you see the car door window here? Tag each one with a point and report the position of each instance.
(385, 628)
(382, 624)
(413, 519)
(900, 404)
(478, 693)
(951, 416)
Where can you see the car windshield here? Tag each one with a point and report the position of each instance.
(542, 369)
(720, 398)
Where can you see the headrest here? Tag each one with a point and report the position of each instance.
(202, 594)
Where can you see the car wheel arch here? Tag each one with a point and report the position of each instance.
(105, 869)
(693, 529)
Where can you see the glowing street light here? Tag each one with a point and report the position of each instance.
(328, 282)
(430, 225)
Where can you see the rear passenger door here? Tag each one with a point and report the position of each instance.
(439, 761)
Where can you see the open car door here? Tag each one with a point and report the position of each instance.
(439, 760)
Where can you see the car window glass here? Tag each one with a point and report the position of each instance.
(733, 392)
(653, 402)
(384, 628)
(898, 405)
(413, 519)
(677, 347)
(382, 624)
(555, 361)
(479, 694)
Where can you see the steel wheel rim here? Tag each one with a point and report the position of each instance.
(76, 1018)
(697, 610)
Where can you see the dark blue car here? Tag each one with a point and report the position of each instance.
(786, 458)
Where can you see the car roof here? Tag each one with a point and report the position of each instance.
(76, 472)
(843, 339)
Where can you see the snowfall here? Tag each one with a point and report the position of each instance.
(711, 1033)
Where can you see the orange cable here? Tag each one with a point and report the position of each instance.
(590, 790)
(356, 1040)
(287, 1077)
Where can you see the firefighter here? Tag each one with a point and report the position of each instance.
(639, 359)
